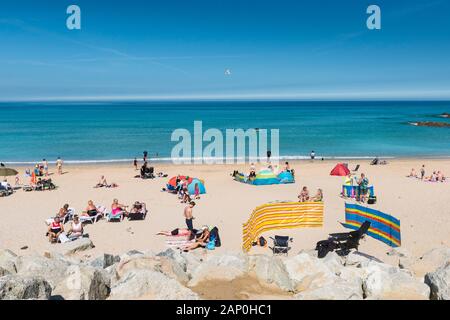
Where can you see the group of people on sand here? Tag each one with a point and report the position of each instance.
(436, 176)
(183, 192)
(56, 224)
(305, 197)
(274, 168)
(363, 185)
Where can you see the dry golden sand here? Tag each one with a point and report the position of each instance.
(422, 207)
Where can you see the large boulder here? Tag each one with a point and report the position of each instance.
(270, 270)
(391, 283)
(339, 290)
(83, 283)
(439, 282)
(103, 261)
(224, 267)
(149, 284)
(7, 262)
(309, 272)
(78, 245)
(52, 270)
(14, 287)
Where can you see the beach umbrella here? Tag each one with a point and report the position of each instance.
(340, 170)
(201, 186)
(173, 181)
(8, 172)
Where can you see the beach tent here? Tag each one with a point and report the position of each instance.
(281, 215)
(172, 184)
(201, 186)
(286, 177)
(265, 177)
(383, 227)
(340, 170)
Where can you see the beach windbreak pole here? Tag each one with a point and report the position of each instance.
(383, 227)
(281, 215)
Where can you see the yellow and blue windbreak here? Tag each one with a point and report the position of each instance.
(383, 227)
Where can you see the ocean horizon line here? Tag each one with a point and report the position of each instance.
(169, 160)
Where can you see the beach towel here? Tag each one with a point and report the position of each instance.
(177, 241)
(281, 215)
(63, 238)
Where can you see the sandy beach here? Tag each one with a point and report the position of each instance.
(422, 207)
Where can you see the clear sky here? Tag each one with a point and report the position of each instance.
(183, 49)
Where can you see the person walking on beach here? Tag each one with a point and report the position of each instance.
(188, 215)
(312, 155)
(145, 156)
(422, 172)
(59, 164)
(135, 163)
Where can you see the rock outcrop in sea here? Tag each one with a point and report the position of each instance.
(172, 274)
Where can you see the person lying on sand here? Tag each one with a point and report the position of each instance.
(318, 196)
(54, 230)
(201, 241)
(304, 195)
(176, 232)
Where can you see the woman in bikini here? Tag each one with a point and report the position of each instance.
(304, 195)
(91, 210)
(117, 208)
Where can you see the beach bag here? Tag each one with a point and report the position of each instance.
(262, 242)
(372, 200)
(211, 244)
(63, 238)
(215, 234)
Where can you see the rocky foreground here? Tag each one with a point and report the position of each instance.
(202, 275)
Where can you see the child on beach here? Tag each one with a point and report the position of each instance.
(304, 195)
(196, 192)
(318, 196)
(135, 163)
(59, 164)
(189, 216)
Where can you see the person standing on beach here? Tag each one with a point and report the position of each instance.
(188, 215)
(45, 164)
(145, 156)
(59, 164)
(422, 172)
(269, 154)
(313, 155)
(135, 163)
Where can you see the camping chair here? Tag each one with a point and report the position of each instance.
(356, 168)
(342, 242)
(281, 245)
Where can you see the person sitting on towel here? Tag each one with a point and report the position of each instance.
(201, 241)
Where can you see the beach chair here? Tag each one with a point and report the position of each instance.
(280, 245)
(138, 215)
(342, 242)
(88, 219)
(110, 217)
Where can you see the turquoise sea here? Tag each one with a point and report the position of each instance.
(120, 131)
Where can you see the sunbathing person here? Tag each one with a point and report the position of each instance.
(412, 174)
(201, 241)
(101, 183)
(318, 197)
(304, 195)
(138, 208)
(117, 208)
(55, 229)
(440, 176)
(176, 232)
(63, 211)
(76, 228)
(91, 210)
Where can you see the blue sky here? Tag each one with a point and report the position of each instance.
(181, 49)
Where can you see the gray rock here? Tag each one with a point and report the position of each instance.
(271, 270)
(14, 287)
(439, 282)
(78, 245)
(386, 282)
(52, 270)
(339, 290)
(104, 261)
(149, 284)
(83, 283)
(224, 267)
(7, 262)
